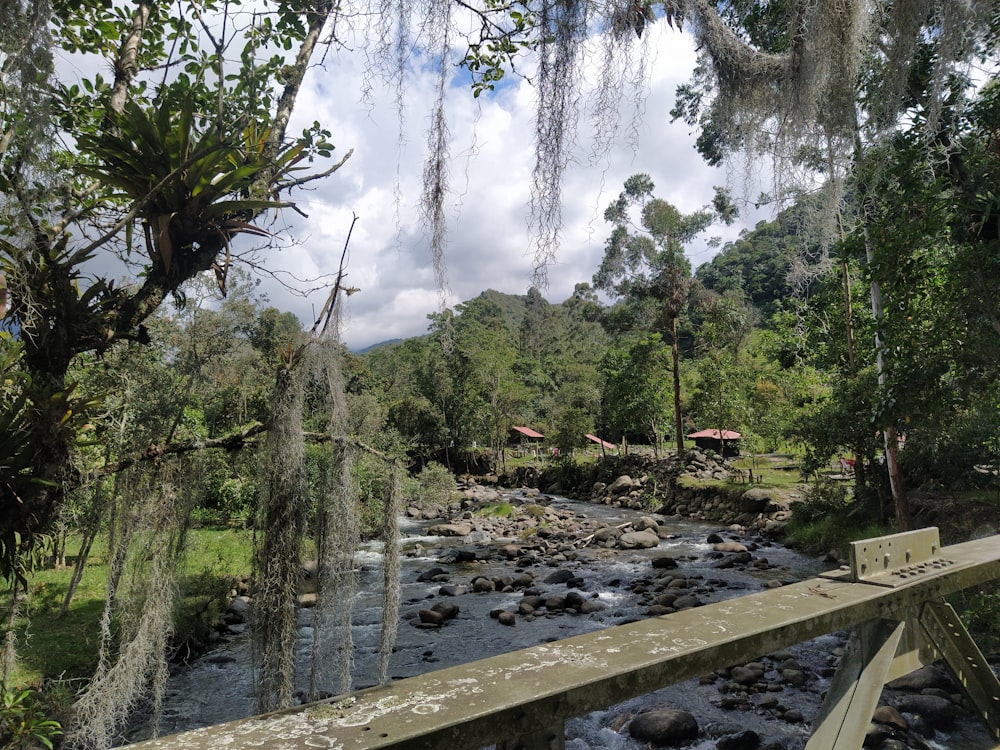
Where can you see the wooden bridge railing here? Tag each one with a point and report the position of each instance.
(891, 596)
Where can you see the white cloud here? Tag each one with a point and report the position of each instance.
(492, 157)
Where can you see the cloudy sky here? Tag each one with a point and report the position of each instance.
(492, 156)
(491, 163)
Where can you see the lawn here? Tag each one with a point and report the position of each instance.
(64, 648)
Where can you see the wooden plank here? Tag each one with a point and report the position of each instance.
(483, 702)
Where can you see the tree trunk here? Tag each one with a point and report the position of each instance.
(899, 499)
(675, 353)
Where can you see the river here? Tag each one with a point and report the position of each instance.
(219, 686)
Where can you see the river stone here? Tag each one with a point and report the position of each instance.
(746, 675)
(590, 606)
(507, 618)
(510, 551)
(793, 716)
(730, 547)
(645, 523)
(560, 576)
(606, 533)
(732, 560)
(483, 585)
(447, 610)
(437, 575)
(890, 716)
(430, 617)
(794, 677)
(638, 540)
(937, 712)
(575, 600)
(239, 606)
(621, 485)
(925, 677)
(664, 727)
(745, 740)
(307, 601)
(450, 529)
(555, 603)
(452, 590)
(664, 562)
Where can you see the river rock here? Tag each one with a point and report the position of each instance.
(730, 547)
(921, 679)
(430, 617)
(621, 486)
(507, 618)
(664, 727)
(447, 610)
(452, 590)
(239, 607)
(939, 713)
(890, 716)
(745, 740)
(483, 585)
(747, 675)
(645, 523)
(435, 575)
(560, 576)
(450, 529)
(638, 540)
(664, 562)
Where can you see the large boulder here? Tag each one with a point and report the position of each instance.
(665, 727)
(638, 540)
(450, 529)
(622, 485)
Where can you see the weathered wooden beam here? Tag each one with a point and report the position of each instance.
(506, 696)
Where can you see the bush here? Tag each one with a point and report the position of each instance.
(23, 723)
(826, 521)
(433, 485)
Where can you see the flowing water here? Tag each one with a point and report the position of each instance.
(219, 686)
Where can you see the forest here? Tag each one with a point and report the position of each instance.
(862, 321)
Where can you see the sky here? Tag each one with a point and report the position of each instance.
(377, 192)
(492, 156)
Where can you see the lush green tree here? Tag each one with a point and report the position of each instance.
(644, 264)
(635, 395)
(164, 171)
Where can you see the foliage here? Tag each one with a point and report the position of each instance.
(980, 611)
(23, 723)
(434, 484)
(826, 520)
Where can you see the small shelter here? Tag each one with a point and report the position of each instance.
(527, 440)
(726, 444)
(603, 443)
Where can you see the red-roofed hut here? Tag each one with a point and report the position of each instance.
(726, 444)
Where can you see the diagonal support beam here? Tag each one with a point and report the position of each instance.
(966, 661)
(854, 692)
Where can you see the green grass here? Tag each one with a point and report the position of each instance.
(65, 648)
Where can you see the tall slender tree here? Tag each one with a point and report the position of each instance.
(644, 265)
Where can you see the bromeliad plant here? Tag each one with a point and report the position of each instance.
(193, 181)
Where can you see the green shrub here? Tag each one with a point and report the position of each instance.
(23, 723)
(825, 521)
(980, 610)
(433, 486)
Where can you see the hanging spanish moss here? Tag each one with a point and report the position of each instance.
(280, 525)
(391, 561)
(435, 190)
(140, 600)
(338, 533)
(564, 25)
